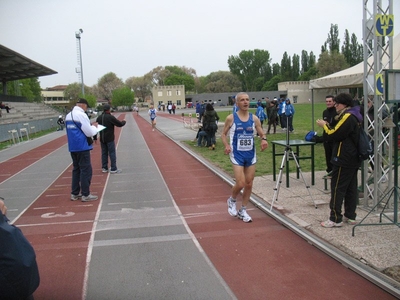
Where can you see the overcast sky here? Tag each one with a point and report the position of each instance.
(131, 37)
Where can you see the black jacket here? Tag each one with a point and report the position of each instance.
(328, 115)
(109, 121)
(345, 138)
(210, 118)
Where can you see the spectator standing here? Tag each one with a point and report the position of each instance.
(289, 112)
(173, 108)
(79, 130)
(234, 108)
(198, 111)
(260, 113)
(281, 113)
(169, 107)
(345, 161)
(153, 116)
(107, 139)
(328, 115)
(210, 119)
(272, 113)
(240, 127)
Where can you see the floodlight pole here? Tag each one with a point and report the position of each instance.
(78, 38)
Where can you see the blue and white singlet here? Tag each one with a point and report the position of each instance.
(242, 141)
(153, 114)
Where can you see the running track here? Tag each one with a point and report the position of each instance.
(259, 260)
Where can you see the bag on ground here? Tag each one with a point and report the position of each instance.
(310, 136)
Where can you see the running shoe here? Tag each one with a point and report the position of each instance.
(350, 221)
(75, 197)
(89, 197)
(243, 215)
(232, 207)
(330, 224)
(116, 171)
(104, 170)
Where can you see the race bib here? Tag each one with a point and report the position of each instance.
(244, 142)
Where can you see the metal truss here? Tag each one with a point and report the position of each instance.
(378, 54)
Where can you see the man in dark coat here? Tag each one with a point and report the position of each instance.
(329, 115)
(107, 139)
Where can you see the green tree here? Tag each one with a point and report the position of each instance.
(310, 74)
(352, 50)
(200, 84)
(333, 40)
(123, 96)
(158, 75)
(272, 84)
(28, 88)
(107, 84)
(91, 99)
(181, 79)
(312, 60)
(330, 63)
(252, 68)
(295, 67)
(222, 81)
(276, 69)
(304, 61)
(140, 85)
(286, 67)
(73, 91)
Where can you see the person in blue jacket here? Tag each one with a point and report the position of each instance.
(289, 113)
(260, 113)
(79, 130)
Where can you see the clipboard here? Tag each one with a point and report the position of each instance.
(100, 127)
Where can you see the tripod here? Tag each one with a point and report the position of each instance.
(286, 156)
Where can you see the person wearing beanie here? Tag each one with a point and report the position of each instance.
(107, 140)
(345, 161)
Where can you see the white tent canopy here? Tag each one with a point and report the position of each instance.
(353, 76)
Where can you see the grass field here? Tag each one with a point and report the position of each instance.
(302, 123)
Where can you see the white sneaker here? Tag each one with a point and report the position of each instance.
(243, 215)
(76, 197)
(330, 224)
(89, 197)
(232, 207)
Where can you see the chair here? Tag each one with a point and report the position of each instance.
(14, 135)
(24, 130)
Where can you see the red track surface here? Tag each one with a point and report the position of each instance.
(61, 247)
(259, 260)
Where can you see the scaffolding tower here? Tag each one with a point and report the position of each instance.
(379, 171)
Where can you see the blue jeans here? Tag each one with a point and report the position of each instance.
(108, 149)
(81, 173)
(202, 135)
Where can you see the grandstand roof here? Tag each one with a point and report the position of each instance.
(14, 66)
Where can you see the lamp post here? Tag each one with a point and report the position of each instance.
(80, 71)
